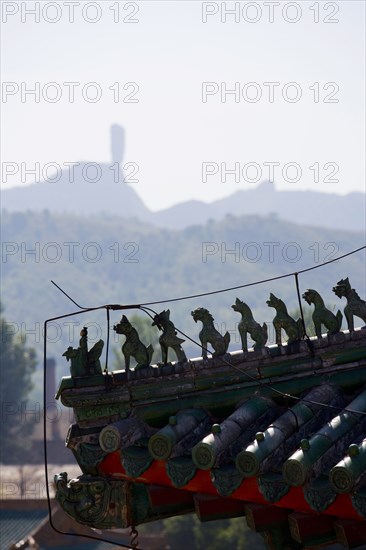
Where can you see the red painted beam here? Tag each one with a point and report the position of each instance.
(263, 518)
(311, 528)
(164, 496)
(209, 508)
(248, 491)
(350, 533)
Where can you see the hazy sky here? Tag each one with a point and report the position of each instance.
(296, 70)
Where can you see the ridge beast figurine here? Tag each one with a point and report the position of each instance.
(322, 315)
(84, 362)
(294, 329)
(248, 325)
(209, 335)
(133, 347)
(169, 338)
(355, 305)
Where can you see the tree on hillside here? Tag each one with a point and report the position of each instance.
(17, 365)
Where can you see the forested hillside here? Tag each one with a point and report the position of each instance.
(99, 260)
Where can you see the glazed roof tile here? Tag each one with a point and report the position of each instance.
(296, 446)
(16, 524)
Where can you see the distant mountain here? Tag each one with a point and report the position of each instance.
(86, 188)
(81, 197)
(303, 207)
(91, 188)
(78, 196)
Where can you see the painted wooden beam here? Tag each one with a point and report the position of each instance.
(164, 496)
(350, 533)
(312, 529)
(209, 508)
(262, 518)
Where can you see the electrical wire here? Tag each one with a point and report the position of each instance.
(212, 292)
(202, 294)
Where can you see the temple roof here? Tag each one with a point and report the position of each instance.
(277, 435)
(316, 444)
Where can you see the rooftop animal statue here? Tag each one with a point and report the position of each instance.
(355, 305)
(248, 325)
(77, 367)
(133, 347)
(322, 315)
(84, 362)
(209, 335)
(169, 338)
(94, 366)
(294, 329)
